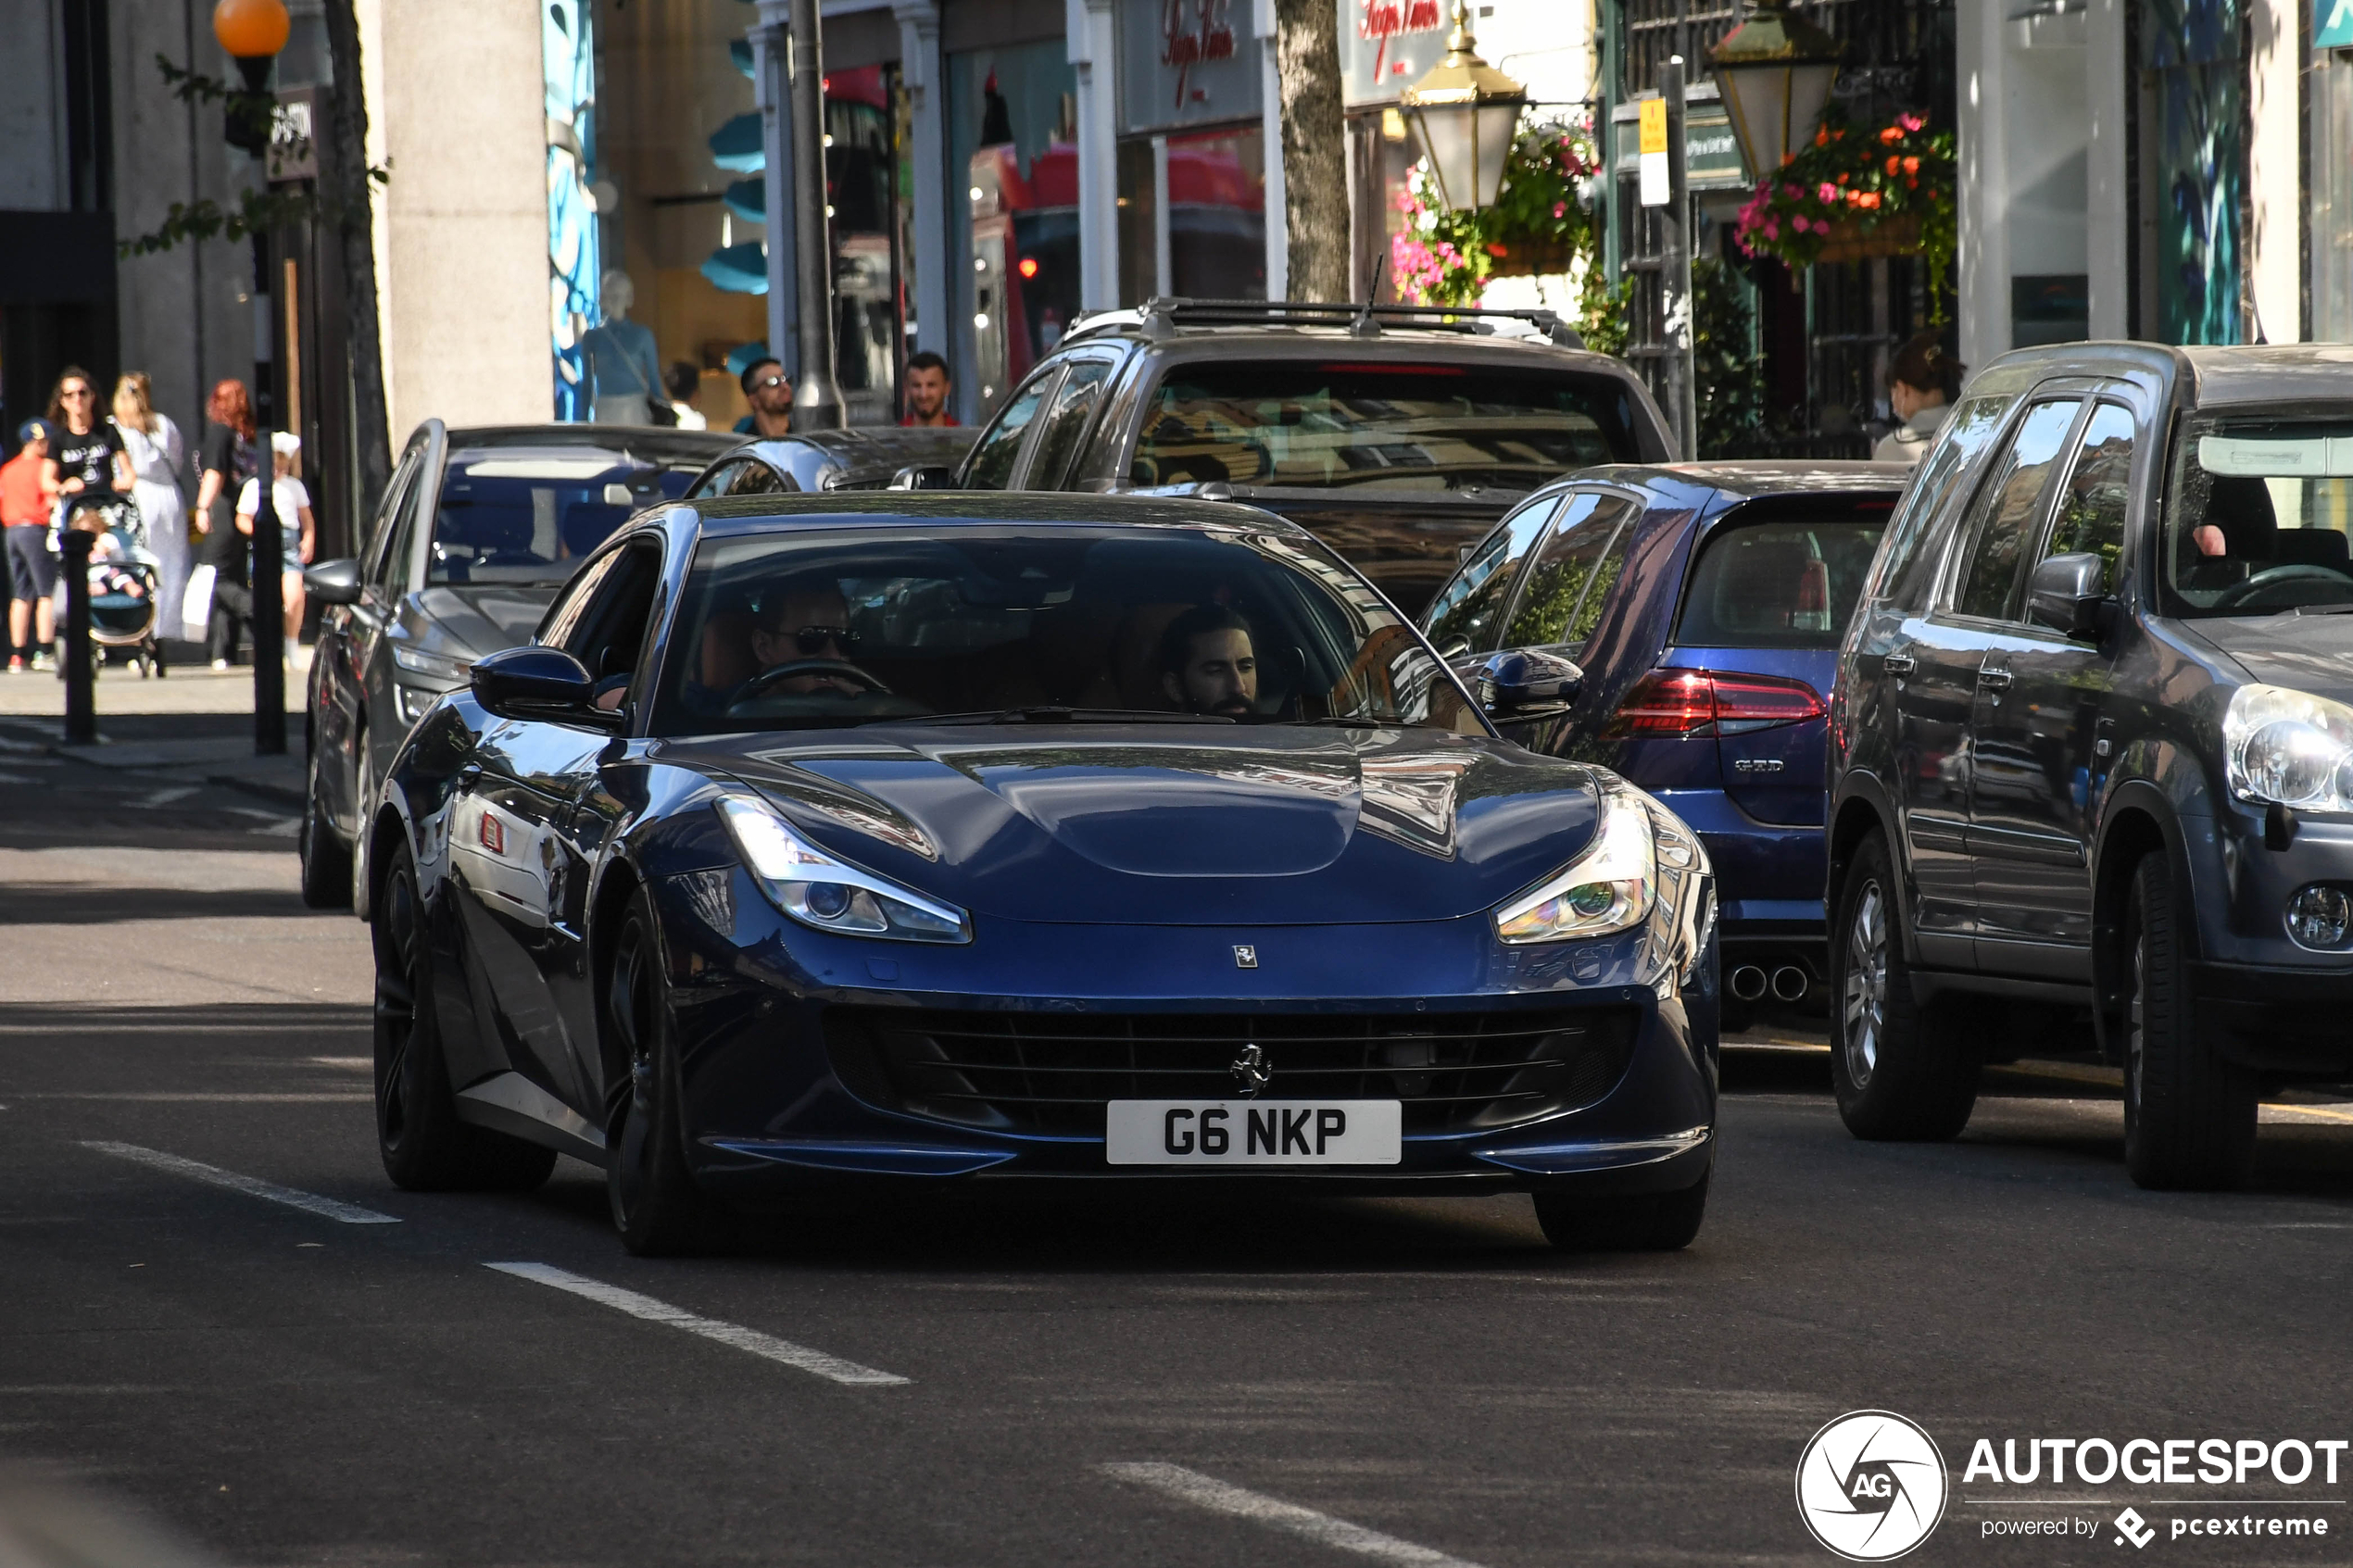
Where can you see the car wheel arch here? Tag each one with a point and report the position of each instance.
(1862, 808)
(2138, 822)
(617, 884)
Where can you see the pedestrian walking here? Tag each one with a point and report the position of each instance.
(296, 528)
(156, 456)
(1921, 386)
(86, 459)
(26, 495)
(231, 457)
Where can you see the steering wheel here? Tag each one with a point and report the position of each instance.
(840, 669)
(2279, 576)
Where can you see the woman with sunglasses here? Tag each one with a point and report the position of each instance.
(86, 459)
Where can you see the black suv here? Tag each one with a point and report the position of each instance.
(2092, 748)
(1397, 434)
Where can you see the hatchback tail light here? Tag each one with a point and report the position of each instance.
(1677, 704)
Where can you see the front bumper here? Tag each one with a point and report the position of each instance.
(2290, 1022)
(769, 1112)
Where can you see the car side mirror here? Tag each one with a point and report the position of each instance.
(1525, 685)
(332, 582)
(923, 476)
(2068, 595)
(535, 682)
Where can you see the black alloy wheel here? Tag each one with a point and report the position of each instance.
(2189, 1117)
(326, 860)
(424, 1146)
(1900, 1072)
(1650, 1221)
(656, 1205)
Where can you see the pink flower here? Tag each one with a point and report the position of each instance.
(1910, 122)
(1773, 230)
(1560, 209)
(1828, 192)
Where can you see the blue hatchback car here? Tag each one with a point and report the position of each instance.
(922, 838)
(1679, 626)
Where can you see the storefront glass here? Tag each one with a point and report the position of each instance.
(2197, 149)
(1013, 239)
(1216, 214)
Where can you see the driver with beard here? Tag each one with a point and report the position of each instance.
(806, 621)
(1208, 664)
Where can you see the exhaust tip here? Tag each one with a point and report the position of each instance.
(1790, 982)
(1748, 983)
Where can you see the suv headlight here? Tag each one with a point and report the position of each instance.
(830, 895)
(440, 666)
(2288, 747)
(1610, 887)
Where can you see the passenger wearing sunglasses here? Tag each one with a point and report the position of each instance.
(770, 392)
(808, 624)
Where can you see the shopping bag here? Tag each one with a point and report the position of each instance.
(196, 606)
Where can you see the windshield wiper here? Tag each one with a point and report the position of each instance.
(1357, 721)
(2320, 610)
(1048, 713)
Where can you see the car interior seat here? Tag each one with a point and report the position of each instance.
(2313, 547)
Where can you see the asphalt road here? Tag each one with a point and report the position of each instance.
(1287, 1380)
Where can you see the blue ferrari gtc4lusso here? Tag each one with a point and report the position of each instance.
(932, 837)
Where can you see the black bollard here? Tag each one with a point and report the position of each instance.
(81, 713)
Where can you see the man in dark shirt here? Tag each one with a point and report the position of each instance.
(224, 549)
(770, 392)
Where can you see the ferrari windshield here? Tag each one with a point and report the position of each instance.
(984, 624)
(2258, 515)
(1386, 427)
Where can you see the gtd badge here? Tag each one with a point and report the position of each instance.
(1871, 1485)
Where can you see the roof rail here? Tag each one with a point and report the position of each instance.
(1161, 317)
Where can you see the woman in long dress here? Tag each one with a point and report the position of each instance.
(151, 442)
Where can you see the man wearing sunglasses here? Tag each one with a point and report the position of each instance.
(769, 390)
(807, 621)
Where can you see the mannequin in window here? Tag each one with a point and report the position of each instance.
(624, 369)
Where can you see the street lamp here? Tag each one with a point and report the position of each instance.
(1464, 112)
(252, 32)
(1774, 71)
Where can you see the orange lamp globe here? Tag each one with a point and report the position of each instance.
(251, 28)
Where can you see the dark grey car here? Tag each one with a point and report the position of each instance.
(477, 531)
(2091, 748)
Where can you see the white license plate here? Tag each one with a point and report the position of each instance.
(1244, 1132)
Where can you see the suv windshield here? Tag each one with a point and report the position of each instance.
(1779, 583)
(819, 629)
(1390, 427)
(529, 517)
(2258, 515)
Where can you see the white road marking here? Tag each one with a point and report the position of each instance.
(165, 1097)
(751, 1339)
(252, 1187)
(358, 1063)
(1205, 1491)
(164, 796)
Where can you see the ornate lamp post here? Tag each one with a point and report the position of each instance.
(1465, 111)
(252, 32)
(1775, 70)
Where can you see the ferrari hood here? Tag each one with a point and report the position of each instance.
(1175, 825)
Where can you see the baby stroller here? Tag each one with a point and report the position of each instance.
(125, 583)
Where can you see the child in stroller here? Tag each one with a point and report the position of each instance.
(123, 581)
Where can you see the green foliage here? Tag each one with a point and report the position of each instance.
(1606, 311)
(1445, 256)
(1728, 374)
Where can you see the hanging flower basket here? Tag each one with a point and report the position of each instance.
(1541, 255)
(1849, 241)
(1537, 227)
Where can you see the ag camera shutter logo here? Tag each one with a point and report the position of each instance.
(1871, 1486)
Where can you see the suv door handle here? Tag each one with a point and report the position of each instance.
(1997, 678)
(1897, 664)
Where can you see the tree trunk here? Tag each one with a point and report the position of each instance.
(346, 198)
(1315, 149)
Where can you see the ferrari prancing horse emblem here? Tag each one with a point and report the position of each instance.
(1245, 958)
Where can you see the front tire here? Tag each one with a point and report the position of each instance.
(424, 1146)
(1900, 1073)
(657, 1206)
(1650, 1221)
(326, 859)
(2189, 1117)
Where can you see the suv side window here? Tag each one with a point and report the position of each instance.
(1468, 614)
(2005, 506)
(1907, 564)
(2097, 495)
(374, 567)
(1066, 424)
(1098, 460)
(1572, 578)
(991, 466)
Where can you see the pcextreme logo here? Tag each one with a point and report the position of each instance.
(1871, 1486)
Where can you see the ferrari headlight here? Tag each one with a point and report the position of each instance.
(2289, 749)
(1608, 888)
(828, 894)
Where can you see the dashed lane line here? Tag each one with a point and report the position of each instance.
(764, 1345)
(1219, 1497)
(252, 1187)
